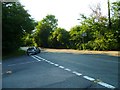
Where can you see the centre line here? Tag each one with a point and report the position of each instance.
(106, 85)
(61, 67)
(79, 74)
(39, 57)
(56, 64)
(67, 69)
(88, 78)
(35, 58)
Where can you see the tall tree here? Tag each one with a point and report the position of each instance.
(75, 37)
(59, 38)
(44, 28)
(51, 21)
(115, 19)
(109, 14)
(15, 22)
(41, 34)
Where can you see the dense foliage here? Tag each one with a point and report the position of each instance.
(44, 29)
(59, 38)
(15, 23)
(93, 33)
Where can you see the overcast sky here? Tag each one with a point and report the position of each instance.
(66, 11)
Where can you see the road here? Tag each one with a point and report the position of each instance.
(61, 70)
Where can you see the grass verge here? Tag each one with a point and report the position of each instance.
(111, 53)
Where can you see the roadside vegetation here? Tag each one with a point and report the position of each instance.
(16, 53)
(96, 32)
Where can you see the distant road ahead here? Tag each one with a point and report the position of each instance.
(61, 70)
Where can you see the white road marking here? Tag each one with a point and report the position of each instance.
(21, 63)
(67, 69)
(61, 67)
(106, 85)
(51, 63)
(79, 74)
(88, 78)
(40, 57)
(56, 64)
(0, 63)
(43, 59)
(36, 58)
(48, 61)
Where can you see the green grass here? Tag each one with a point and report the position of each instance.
(14, 54)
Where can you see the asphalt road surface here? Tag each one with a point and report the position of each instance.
(61, 70)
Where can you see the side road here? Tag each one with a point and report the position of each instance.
(111, 53)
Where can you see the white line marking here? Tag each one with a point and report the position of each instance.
(61, 67)
(36, 58)
(0, 63)
(51, 63)
(43, 59)
(106, 85)
(39, 57)
(48, 61)
(21, 63)
(88, 78)
(67, 69)
(56, 64)
(79, 74)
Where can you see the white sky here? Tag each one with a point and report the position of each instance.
(66, 11)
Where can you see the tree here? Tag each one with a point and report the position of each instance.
(115, 19)
(109, 18)
(97, 37)
(75, 37)
(15, 22)
(28, 40)
(41, 34)
(51, 21)
(44, 29)
(59, 38)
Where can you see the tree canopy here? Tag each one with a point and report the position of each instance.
(15, 22)
(59, 38)
(43, 30)
(93, 33)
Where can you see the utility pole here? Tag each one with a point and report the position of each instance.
(109, 14)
